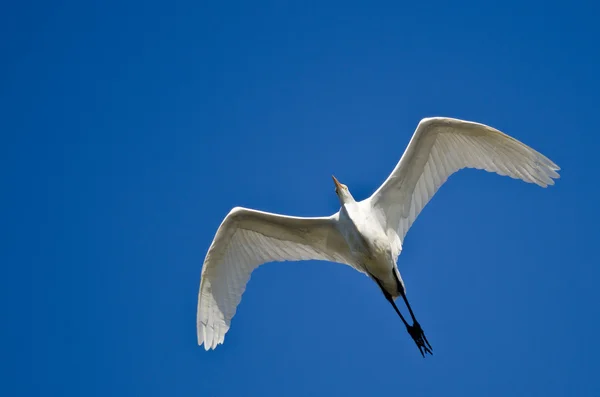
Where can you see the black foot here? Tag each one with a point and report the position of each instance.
(416, 332)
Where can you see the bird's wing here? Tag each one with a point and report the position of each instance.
(245, 240)
(438, 148)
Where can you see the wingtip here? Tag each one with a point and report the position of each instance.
(205, 345)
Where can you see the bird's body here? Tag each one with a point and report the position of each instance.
(367, 235)
(368, 244)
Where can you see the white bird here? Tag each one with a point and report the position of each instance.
(367, 235)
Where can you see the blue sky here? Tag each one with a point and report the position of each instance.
(130, 129)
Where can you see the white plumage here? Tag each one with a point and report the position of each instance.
(366, 235)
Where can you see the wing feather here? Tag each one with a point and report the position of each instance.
(247, 239)
(440, 147)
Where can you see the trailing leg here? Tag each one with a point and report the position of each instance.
(415, 330)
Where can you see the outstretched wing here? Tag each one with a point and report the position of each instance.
(439, 147)
(245, 240)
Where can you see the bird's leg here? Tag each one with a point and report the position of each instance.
(391, 300)
(416, 331)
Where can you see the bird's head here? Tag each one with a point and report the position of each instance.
(342, 191)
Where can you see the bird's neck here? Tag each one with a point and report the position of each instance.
(347, 200)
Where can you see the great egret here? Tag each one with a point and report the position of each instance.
(366, 235)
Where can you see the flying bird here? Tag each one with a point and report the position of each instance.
(367, 235)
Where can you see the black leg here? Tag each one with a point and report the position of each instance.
(408, 305)
(391, 300)
(415, 330)
(410, 329)
(416, 324)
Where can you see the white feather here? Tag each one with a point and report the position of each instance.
(247, 239)
(439, 147)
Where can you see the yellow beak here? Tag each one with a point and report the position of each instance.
(337, 183)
